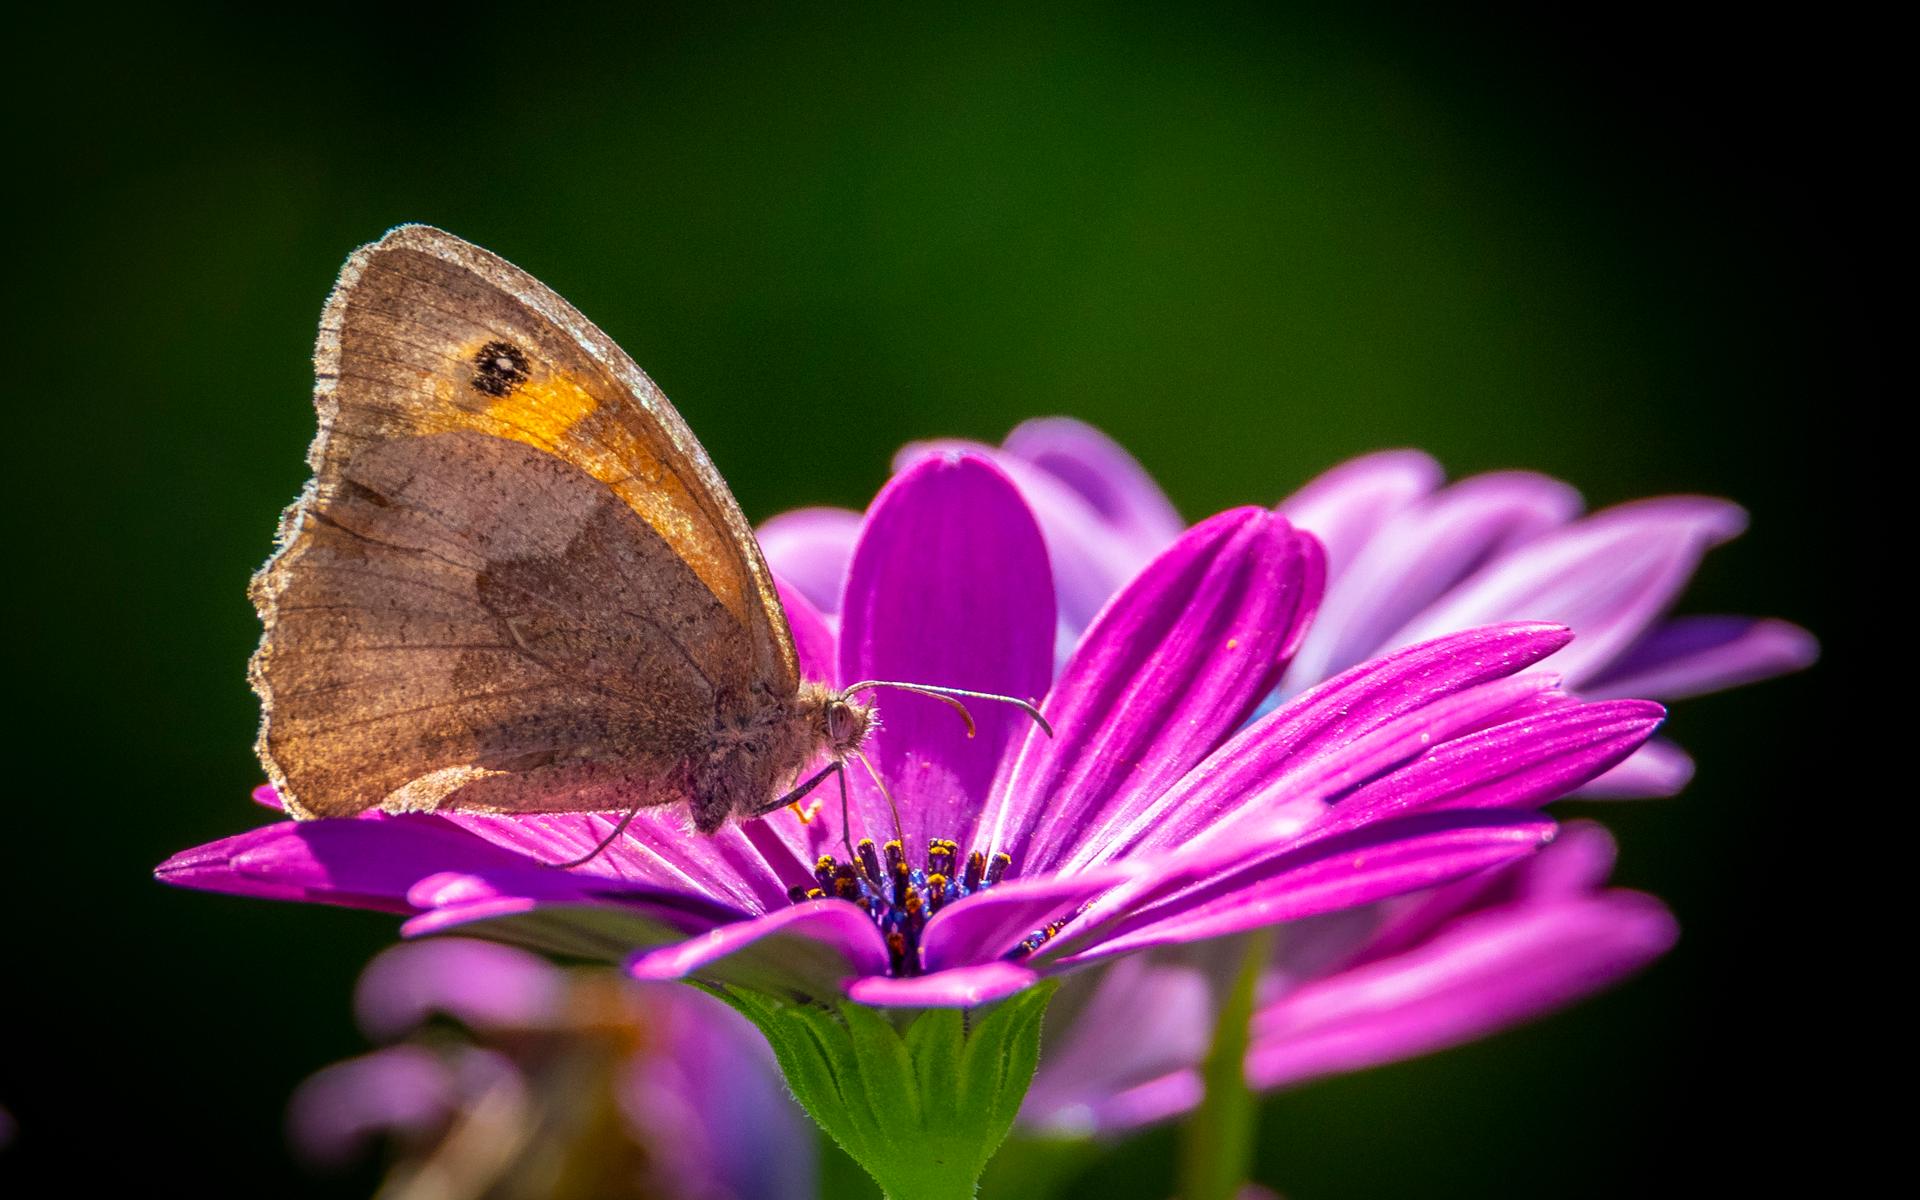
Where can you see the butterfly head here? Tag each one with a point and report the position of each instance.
(847, 723)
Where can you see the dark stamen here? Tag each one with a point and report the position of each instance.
(846, 884)
(940, 854)
(901, 897)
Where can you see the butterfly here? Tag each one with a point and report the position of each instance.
(515, 582)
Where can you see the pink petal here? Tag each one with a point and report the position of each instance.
(811, 949)
(988, 924)
(1516, 765)
(1091, 556)
(1172, 665)
(1343, 723)
(334, 1115)
(369, 862)
(1656, 769)
(1134, 1019)
(1419, 553)
(958, 987)
(1486, 974)
(1690, 656)
(592, 926)
(949, 586)
(813, 640)
(1575, 865)
(1110, 480)
(1356, 867)
(484, 985)
(810, 548)
(1346, 506)
(659, 850)
(1608, 578)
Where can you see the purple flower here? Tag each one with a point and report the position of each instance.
(1157, 816)
(1408, 558)
(1360, 989)
(554, 1082)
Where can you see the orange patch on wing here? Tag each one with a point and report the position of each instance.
(554, 411)
(541, 411)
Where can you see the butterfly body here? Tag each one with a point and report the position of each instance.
(515, 582)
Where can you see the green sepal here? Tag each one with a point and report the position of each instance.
(921, 1100)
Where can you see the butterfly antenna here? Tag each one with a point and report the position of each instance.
(949, 695)
(609, 840)
(898, 835)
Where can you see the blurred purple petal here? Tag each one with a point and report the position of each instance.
(1112, 481)
(1144, 1017)
(335, 1114)
(1608, 578)
(813, 640)
(1169, 669)
(810, 548)
(1486, 974)
(812, 949)
(1346, 506)
(960, 987)
(949, 586)
(1420, 552)
(1690, 656)
(1576, 863)
(1656, 769)
(703, 1076)
(484, 985)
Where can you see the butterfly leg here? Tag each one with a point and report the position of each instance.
(797, 794)
(594, 853)
(836, 767)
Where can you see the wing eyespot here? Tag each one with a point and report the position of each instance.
(499, 368)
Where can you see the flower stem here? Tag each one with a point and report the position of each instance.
(1216, 1144)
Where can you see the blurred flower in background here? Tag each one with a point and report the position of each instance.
(502, 1075)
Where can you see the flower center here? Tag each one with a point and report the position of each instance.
(901, 896)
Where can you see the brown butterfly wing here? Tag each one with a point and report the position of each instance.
(515, 582)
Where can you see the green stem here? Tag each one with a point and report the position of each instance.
(1216, 1144)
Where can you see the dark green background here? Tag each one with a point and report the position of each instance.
(1610, 246)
